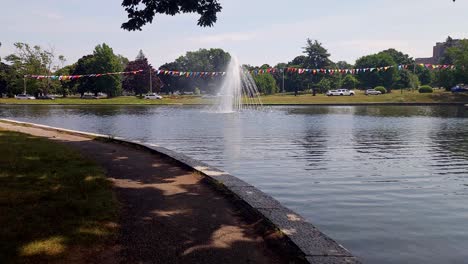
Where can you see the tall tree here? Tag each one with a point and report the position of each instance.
(203, 60)
(84, 85)
(141, 12)
(349, 82)
(373, 77)
(343, 65)
(106, 61)
(317, 55)
(266, 84)
(32, 60)
(66, 87)
(5, 71)
(140, 83)
(398, 57)
(459, 55)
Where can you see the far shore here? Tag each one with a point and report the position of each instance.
(439, 97)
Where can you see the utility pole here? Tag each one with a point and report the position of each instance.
(24, 82)
(151, 81)
(283, 80)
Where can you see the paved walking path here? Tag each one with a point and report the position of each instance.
(168, 214)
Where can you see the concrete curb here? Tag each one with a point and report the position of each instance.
(315, 246)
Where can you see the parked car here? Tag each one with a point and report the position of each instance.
(89, 96)
(373, 92)
(24, 97)
(460, 89)
(46, 97)
(153, 96)
(340, 92)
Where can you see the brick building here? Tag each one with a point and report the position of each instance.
(438, 51)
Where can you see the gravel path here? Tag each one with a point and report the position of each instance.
(168, 215)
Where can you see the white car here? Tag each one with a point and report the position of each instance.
(25, 97)
(373, 92)
(153, 96)
(340, 92)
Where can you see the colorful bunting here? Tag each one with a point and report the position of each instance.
(300, 71)
(349, 71)
(72, 77)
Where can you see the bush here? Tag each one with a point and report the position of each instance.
(381, 89)
(425, 89)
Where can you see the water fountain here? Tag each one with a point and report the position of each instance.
(238, 90)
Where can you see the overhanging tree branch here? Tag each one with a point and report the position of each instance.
(142, 12)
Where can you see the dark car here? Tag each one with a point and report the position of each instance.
(460, 89)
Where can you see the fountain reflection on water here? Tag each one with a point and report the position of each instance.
(238, 90)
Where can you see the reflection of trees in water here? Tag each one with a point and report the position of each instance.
(451, 138)
(321, 110)
(407, 111)
(380, 142)
(315, 146)
(109, 110)
(21, 111)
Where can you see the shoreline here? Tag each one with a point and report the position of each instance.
(299, 104)
(298, 234)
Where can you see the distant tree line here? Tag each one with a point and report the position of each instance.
(35, 60)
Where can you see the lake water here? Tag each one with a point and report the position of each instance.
(390, 183)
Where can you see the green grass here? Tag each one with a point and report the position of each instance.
(439, 96)
(395, 97)
(52, 201)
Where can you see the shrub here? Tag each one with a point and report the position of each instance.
(381, 89)
(425, 89)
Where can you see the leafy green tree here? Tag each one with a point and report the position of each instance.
(445, 79)
(65, 87)
(266, 84)
(141, 12)
(140, 83)
(459, 55)
(350, 82)
(317, 57)
(373, 77)
(106, 61)
(82, 67)
(5, 72)
(406, 79)
(203, 60)
(29, 60)
(398, 57)
(324, 85)
(343, 65)
(425, 76)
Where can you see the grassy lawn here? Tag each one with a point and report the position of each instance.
(54, 204)
(439, 96)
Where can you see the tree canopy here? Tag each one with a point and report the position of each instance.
(142, 12)
(140, 83)
(203, 60)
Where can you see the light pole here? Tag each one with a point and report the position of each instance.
(151, 81)
(283, 80)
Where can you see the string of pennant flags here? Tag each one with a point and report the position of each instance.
(74, 77)
(348, 71)
(255, 72)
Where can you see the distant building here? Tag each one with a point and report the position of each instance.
(438, 51)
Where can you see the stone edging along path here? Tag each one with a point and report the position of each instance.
(300, 234)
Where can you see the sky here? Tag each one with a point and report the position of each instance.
(256, 31)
